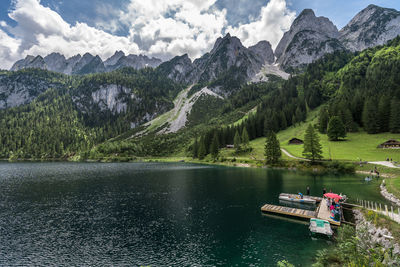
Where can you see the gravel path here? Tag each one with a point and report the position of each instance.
(384, 163)
(291, 156)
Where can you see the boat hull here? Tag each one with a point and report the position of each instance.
(297, 199)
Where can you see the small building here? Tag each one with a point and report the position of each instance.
(295, 141)
(390, 144)
(230, 146)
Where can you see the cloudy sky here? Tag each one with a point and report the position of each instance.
(160, 28)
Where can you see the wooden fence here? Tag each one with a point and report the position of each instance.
(393, 213)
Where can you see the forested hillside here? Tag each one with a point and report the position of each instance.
(78, 112)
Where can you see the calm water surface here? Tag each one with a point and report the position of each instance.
(126, 214)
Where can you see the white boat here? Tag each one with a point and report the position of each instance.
(296, 198)
(320, 227)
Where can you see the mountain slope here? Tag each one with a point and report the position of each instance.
(371, 27)
(228, 59)
(308, 39)
(22, 87)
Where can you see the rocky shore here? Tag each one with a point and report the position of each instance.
(371, 236)
(387, 195)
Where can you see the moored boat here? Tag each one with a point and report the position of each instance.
(320, 227)
(296, 198)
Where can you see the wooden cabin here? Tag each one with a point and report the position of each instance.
(295, 141)
(390, 144)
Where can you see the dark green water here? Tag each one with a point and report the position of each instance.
(127, 214)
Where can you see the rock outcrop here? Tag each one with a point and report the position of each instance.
(371, 27)
(387, 195)
(263, 50)
(308, 39)
(21, 88)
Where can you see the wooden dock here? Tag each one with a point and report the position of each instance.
(307, 214)
(321, 212)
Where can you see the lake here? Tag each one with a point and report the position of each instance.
(158, 214)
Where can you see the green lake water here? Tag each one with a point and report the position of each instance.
(155, 214)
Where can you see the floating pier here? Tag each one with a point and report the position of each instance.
(306, 214)
(321, 212)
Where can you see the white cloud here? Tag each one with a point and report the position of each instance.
(175, 27)
(40, 31)
(8, 50)
(274, 20)
(162, 28)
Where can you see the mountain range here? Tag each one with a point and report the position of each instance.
(308, 39)
(85, 64)
(138, 96)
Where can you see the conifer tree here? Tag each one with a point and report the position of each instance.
(202, 152)
(272, 149)
(395, 116)
(214, 149)
(245, 138)
(336, 129)
(323, 120)
(195, 148)
(370, 117)
(237, 141)
(384, 113)
(312, 147)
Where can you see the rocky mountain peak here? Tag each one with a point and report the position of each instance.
(308, 39)
(114, 58)
(263, 50)
(372, 26)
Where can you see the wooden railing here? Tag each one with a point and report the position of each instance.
(383, 209)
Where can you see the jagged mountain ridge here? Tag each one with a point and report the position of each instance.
(85, 64)
(228, 54)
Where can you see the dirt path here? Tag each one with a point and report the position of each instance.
(291, 156)
(384, 163)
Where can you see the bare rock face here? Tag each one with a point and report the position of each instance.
(55, 62)
(308, 39)
(85, 64)
(371, 27)
(22, 88)
(114, 58)
(227, 55)
(179, 69)
(263, 50)
(29, 62)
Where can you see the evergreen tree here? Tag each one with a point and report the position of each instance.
(272, 149)
(336, 129)
(346, 117)
(195, 148)
(202, 152)
(312, 147)
(323, 120)
(214, 149)
(237, 141)
(384, 113)
(395, 116)
(245, 138)
(370, 117)
(282, 120)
